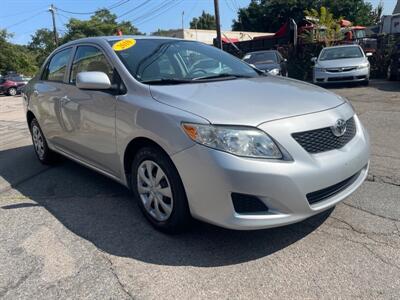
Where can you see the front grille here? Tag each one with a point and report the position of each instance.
(247, 204)
(322, 140)
(331, 191)
(339, 70)
(344, 78)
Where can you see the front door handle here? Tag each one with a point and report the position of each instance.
(64, 100)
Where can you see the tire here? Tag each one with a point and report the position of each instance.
(390, 75)
(161, 197)
(365, 83)
(42, 151)
(12, 91)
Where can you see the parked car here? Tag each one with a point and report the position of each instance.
(10, 87)
(240, 149)
(18, 78)
(270, 61)
(341, 64)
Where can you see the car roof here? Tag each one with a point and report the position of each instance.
(342, 46)
(262, 51)
(100, 39)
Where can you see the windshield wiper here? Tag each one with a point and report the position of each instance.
(222, 75)
(167, 81)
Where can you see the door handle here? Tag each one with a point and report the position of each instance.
(64, 100)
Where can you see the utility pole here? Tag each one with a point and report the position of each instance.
(52, 10)
(218, 24)
(183, 15)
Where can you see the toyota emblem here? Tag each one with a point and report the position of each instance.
(340, 128)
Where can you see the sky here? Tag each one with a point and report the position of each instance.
(25, 16)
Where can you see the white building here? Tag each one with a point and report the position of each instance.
(208, 36)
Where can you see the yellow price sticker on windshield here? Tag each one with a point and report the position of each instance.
(124, 44)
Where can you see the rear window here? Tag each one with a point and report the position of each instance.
(57, 66)
(261, 58)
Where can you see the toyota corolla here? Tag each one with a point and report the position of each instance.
(228, 145)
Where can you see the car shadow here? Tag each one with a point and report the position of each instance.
(102, 212)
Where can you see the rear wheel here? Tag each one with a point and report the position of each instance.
(365, 83)
(43, 152)
(12, 91)
(390, 75)
(156, 185)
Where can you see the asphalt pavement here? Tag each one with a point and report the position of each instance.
(67, 232)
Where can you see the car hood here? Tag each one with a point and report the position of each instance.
(247, 101)
(268, 67)
(340, 63)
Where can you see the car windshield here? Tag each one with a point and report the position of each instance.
(163, 61)
(340, 53)
(260, 58)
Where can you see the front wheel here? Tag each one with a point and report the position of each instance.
(157, 186)
(12, 91)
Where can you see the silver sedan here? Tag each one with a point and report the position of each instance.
(342, 64)
(226, 144)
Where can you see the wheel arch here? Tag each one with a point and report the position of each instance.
(133, 147)
(29, 117)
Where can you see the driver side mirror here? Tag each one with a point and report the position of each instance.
(93, 81)
(314, 59)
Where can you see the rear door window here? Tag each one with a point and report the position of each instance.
(57, 66)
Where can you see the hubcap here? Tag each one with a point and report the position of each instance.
(38, 141)
(13, 92)
(154, 190)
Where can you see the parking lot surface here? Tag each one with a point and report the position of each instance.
(67, 232)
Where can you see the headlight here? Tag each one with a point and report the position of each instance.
(274, 72)
(319, 69)
(363, 66)
(241, 141)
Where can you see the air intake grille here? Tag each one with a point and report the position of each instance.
(322, 140)
(331, 191)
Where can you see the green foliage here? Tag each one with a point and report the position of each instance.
(328, 28)
(205, 21)
(42, 44)
(103, 22)
(15, 57)
(269, 15)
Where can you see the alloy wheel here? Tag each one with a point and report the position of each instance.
(38, 141)
(12, 91)
(154, 190)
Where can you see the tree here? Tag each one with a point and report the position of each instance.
(270, 15)
(42, 44)
(204, 21)
(103, 22)
(357, 11)
(15, 57)
(324, 19)
(377, 13)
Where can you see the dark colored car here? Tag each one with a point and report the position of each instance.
(393, 72)
(270, 61)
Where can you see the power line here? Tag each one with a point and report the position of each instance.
(133, 9)
(164, 11)
(118, 4)
(25, 20)
(152, 11)
(22, 13)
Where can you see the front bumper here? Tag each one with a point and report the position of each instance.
(210, 177)
(357, 75)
